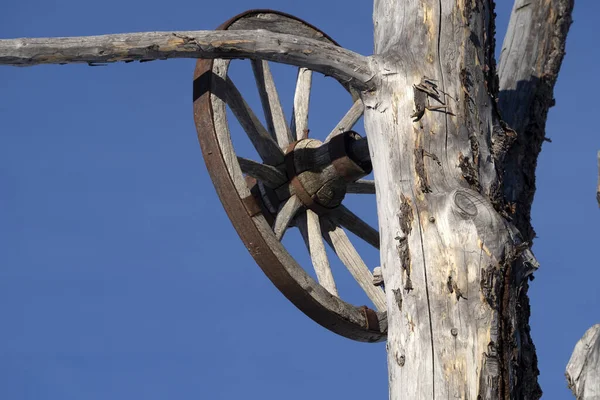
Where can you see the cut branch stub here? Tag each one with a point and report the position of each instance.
(295, 184)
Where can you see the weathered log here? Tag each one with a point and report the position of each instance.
(532, 52)
(583, 370)
(146, 46)
(448, 247)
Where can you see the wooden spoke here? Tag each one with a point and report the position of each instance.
(310, 228)
(361, 186)
(301, 100)
(266, 147)
(348, 121)
(285, 216)
(269, 175)
(276, 123)
(346, 218)
(339, 242)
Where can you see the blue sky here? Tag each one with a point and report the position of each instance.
(121, 276)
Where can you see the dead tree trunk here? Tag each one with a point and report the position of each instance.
(454, 263)
(583, 370)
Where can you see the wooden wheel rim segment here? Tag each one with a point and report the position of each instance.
(247, 216)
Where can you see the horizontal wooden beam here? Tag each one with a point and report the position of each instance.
(313, 54)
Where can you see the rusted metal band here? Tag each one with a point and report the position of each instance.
(347, 168)
(251, 206)
(371, 318)
(306, 198)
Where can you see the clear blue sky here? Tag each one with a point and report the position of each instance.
(121, 276)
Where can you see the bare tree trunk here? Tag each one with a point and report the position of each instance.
(454, 265)
(583, 370)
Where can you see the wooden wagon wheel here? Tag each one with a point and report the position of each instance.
(300, 182)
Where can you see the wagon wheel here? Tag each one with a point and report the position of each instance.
(300, 182)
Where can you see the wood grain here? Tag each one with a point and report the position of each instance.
(310, 228)
(299, 122)
(317, 55)
(583, 369)
(267, 174)
(349, 119)
(217, 98)
(276, 122)
(286, 215)
(267, 148)
(531, 56)
(339, 242)
(347, 219)
(455, 283)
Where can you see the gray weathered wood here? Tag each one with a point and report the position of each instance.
(301, 101)
(276, 123)
(532, 52)
(267, 148)
(377, 276)
(218, 97)
(348, 120)
(437, 145)
(286, 215)
(583, 370)
(347, 219)
(339, 242)
(269, 175)
(310, 229)
(316, 55)
(321, 297)
(361, 186)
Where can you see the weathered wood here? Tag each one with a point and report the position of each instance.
(347, 219)
(281, 264)
(217, 98)
(286, 215)
(532, 52)
(446, 251)
(267, 148)
(318, 177)
(316, 55)
(361, 186)
(378, 277)
(299, 122)
(583, 370)
(276, 122)
(269, 175)
(348, 120)
(339, 242)
(310, 228)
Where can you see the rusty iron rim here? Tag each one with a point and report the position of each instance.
(249, 218)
